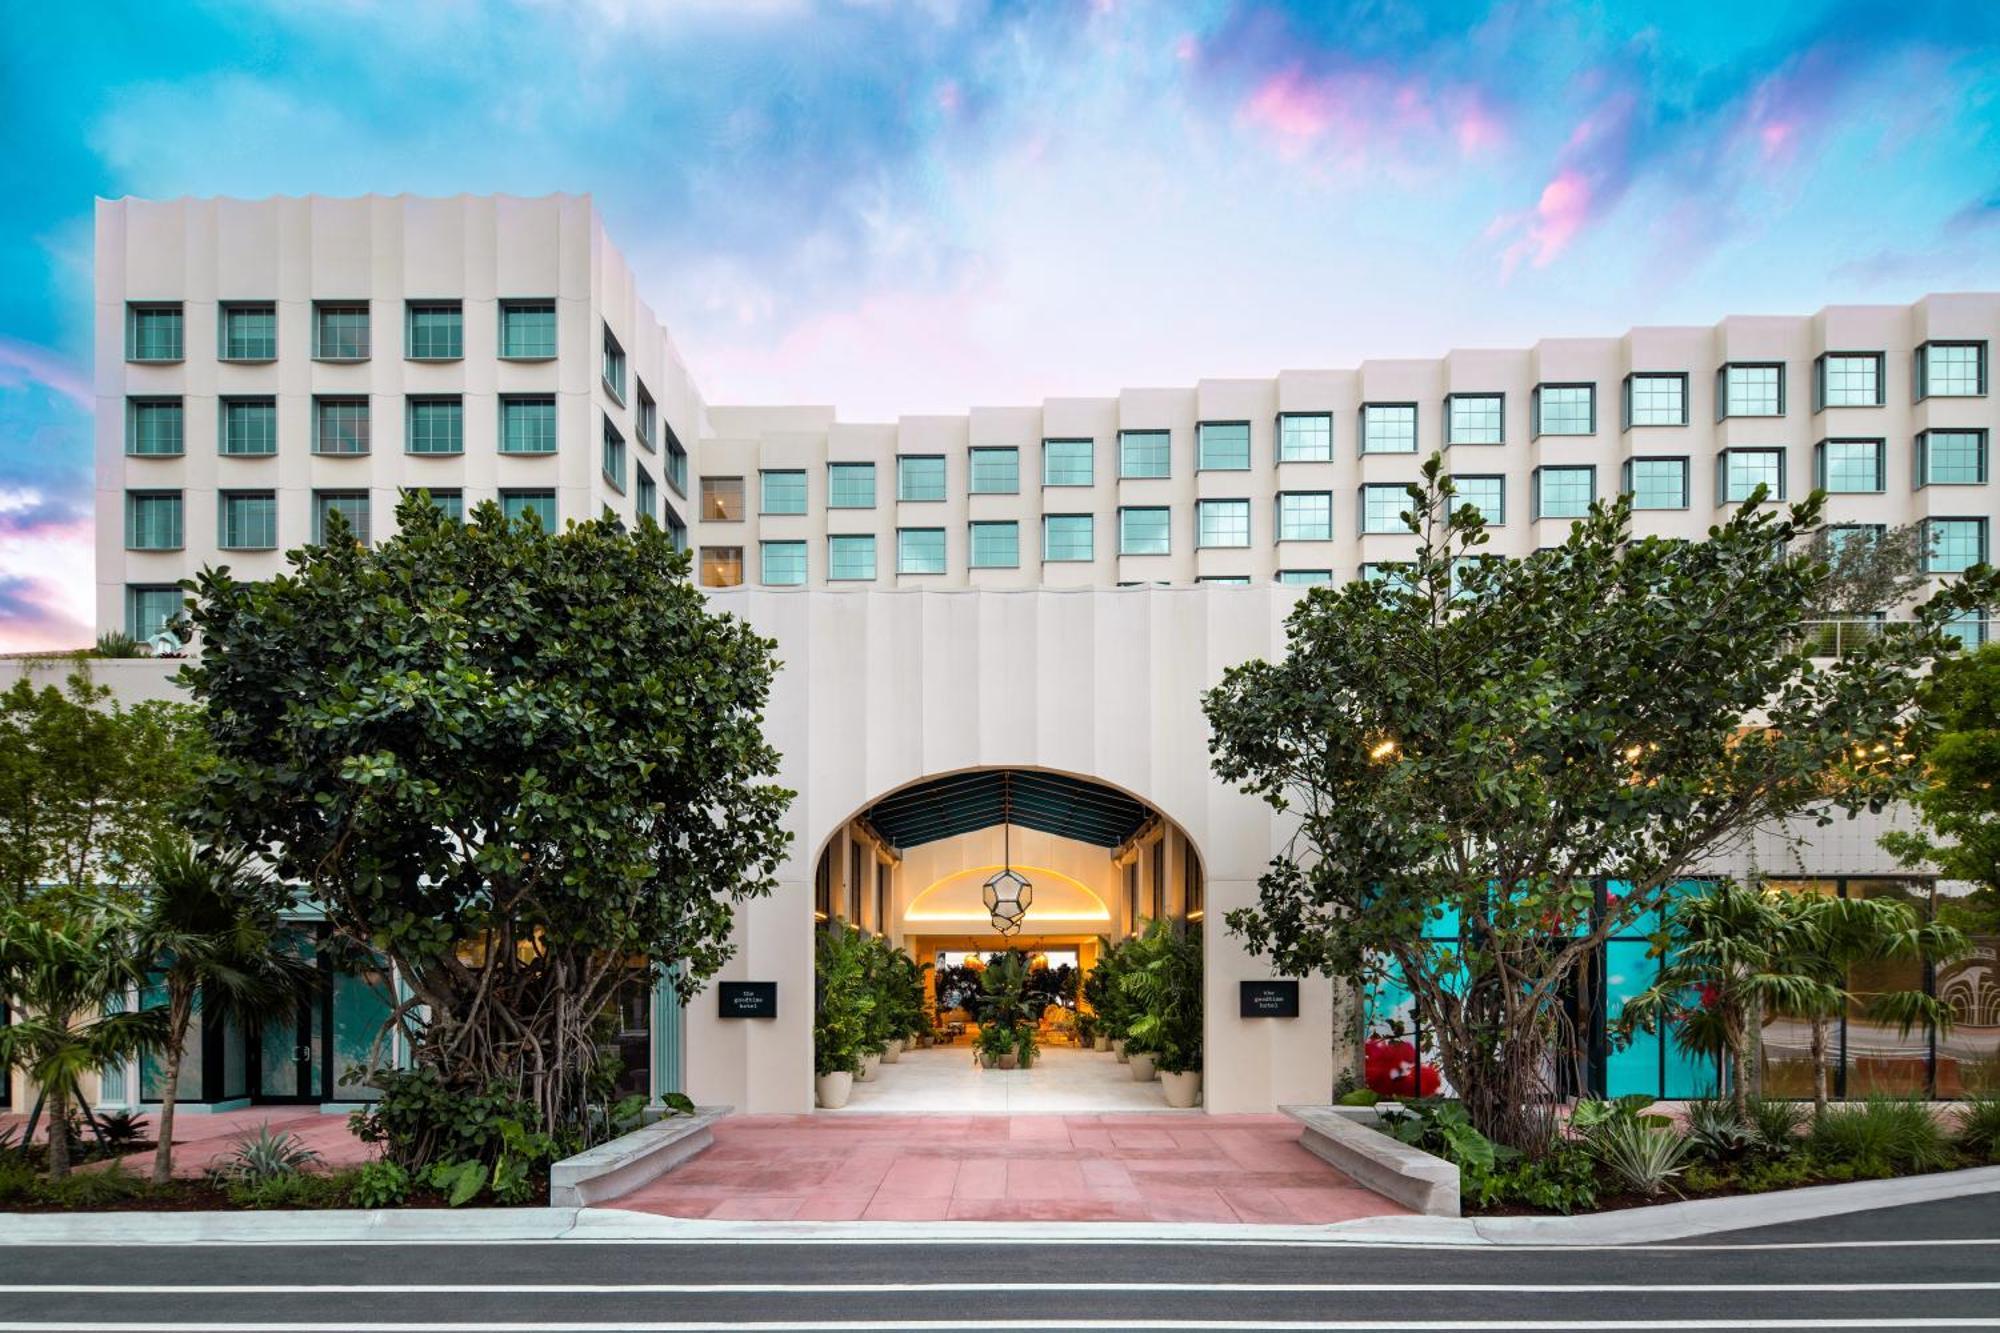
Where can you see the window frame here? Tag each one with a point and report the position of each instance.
(1451, 402)
(1722, 457)
(1402, 490)
(322, 495)
(225, 412)
(764, 497)
(1279, 515)
(1629, 472)
(1823, 467)
(415, 306)
(321, 402)
(1201, 429)
(1722, 389)
(223, 499)
(1982, 525)
(1628, 399)
(1050, 443)
(520, 305)
(143, 405)
(702, 565)
(1285, 418)
(1126, 437)
(1537, 427)
(1166, 527)
(1922, 457)
(411, 404)
(833, 565)
(1089, 522)
(1981, 372)
(135, 495)
(1285, 578)
(1416, 429)
(1202, 505)
(943, 552)
(135, 311)
(712, 488)
(1498, 477)
(972, 531)
(225, 311)
(943, 479)
(1820, 363)
(323, 308)
(764, 550)
(612, 356)
(614, 455)
(1536, 507)
(833, 500)
(972, 471)
(510, 401)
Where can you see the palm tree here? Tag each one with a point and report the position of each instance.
(67, 982)
(211, 929)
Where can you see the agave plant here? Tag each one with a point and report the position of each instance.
(1715, 1132)
(1644, 1156)
(264, 1156)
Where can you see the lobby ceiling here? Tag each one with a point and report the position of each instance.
(1047, 802)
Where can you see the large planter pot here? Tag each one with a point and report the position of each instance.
(1118, 1049)
(1142, 1066)
(1010, 1060)
(1101, 1044)
(869, 1064)
(834, 1089)
(1183, 1090)
(894, 1053)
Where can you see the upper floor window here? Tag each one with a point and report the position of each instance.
(850, 556)
(351, 506)
(721, 566)
(677, 462)
(1657, 483)
(1954, 545)
(646, 418)
(1475, 418)
(528, 423)
(340, 330)
(154, 428)
(1655, 398)
(920, 551)
(996, 545)
(1738, 472)
(677, 532)
(1222, 523)
(1145, 453)
(1228, 580)
(153, 521)
(340, 425)
(1564, 492)
(1394, 573)
(1304, 516)
(1068, 537)
(1486, 494)
(1388, 428)
(1746, 390)
(1951, 370)
(614, 457)
(249, 331)
(613, 375)
(920, 476)
(1305, 576)
(1383, 507)
(782, 492)
(1144, 530)
(434, 331)
(246, 520)
(1849, 379)
(784, 564)
(645, 494)
(1951, 458)
(151, 608)
(527, 330)
(1565, 409)
(996, 471)
(153, 331)
(1222, 446)
(1067, 463)
(1305, 437)
(249, 426)
(434, 425)
(850, 486)
(722, 499)
(1850, 467)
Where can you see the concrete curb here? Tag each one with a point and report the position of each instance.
(613, 1170)
(1420, 1181)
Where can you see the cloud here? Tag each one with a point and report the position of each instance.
(23, 363)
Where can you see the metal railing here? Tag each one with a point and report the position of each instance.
(1837, 638)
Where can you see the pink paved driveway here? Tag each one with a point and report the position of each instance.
(1037, 1168)
(202, 1139)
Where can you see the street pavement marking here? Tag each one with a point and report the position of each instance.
(946, 1325)
(948, 1288)
(988, 1241)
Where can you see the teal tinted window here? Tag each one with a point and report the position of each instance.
(1486, 494)
(920, 477)
(614, 455)
(1393, 572)
(1753, 391)
(1229, 580)
(435, 331)
(783, 492)
(1955, 544)
(1144, 530)
(645, 495)
(1564, 492)
(677, 464)
(645, 414)
(850, 486)
(1222, 523)
(1475, 418)
(1951, 458)
(450, 503)
(247, 520)
(1565, 409)
(1145, 453)
(920, 550)
(1304, 516)
(149, 608)
(1741, 471)
(350, 505)
(613, 368)
(340, 331)
(1951, 370)
(1850, 379)
(1068, 537)
(1305, 576)
(436, 426)
(153, 428)
(528, 424)
(996, 471)
(1305, 437)
(153, 521)
(996, 545)
(249, 426)
(1656, 400)
(850, 556)
(1067, 462)
(249, 331)
(1382, 507)
(541, 505)
(528, 329)
(1389, 428)
(1222, 446)
(1657, 483)
(1851, 467)
(677, 533)
(340, 425)
(784, 564)
(153, 333)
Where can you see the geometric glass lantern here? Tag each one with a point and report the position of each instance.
(1008, 893)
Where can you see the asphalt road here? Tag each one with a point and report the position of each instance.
(1925, 1266)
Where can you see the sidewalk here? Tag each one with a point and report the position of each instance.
(204, 1138)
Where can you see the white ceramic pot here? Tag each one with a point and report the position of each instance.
(894, 1053)
(834, 1089)
(1183, 1090)
(1102, 1044)
(1118, 1049)
(1142, 1066)
(869, 1064)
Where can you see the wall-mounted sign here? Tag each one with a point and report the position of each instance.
(756, 999)
(1270, 999)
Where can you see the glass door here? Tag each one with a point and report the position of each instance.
(289, 1066)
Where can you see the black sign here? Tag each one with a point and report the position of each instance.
(1270, 999)
(759, 999)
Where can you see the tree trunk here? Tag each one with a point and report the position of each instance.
(1819, 1066)
(58, 1132)
(1739, 1082)
(180, 1009)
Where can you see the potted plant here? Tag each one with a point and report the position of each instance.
(1164, 984)
(996, 1046)
(1024, 1045)
(840, 1019)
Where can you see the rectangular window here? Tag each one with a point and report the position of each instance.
(722, 499)
(1229, 580)
(1850, 467)
(1951, 458)
(1849, 379)
(781, 492)
(1388, 428)
(612, 371)
(1564, 492)
(646, 416)
(1145, 453)
(721, 566)
(920, 550)
(1144, 531)
(850, 486)
(1222, 446)
(527, 330)
(528, 424)
(1486, 494)
(1299, 576)
(1565, 409)
(920, 476)
(249, 426)
(1395, 573)
(1751, 390)
(1475, 418)
(677, 531)
(435, 426)
(1383, 506)
(153, 333)
(538, 506)
(1068, 462)
(153, 521)
(996, 545)
(614, 455)
(784, 564)
(449, 503)
(433, 331)
(677, 464)
(246, 520)
(1305, 437)
(1068, 537)
(1954, 545)
(1222, 523)
(1741, 471)
(645, 494)
(1305, 516)
(850, 556)
(1657, 483)
(340, 425)
(994, 472)
(154, 428)
(1951, 370)
(150, 608)
(351, 506)
(340, 330)
(249, 331)
(1656, 399)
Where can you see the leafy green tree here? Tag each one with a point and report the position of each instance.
(1471, 748)
(1959, 802)
(514, 763)
(210, 931)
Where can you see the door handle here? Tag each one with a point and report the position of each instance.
(302, 1054)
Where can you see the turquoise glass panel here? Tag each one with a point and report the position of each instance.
(360, 1015)
(1636, 1067)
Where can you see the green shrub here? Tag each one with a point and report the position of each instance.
(295, 1189)
(263, 1156)
(92, 1189)
(1644, 1156)
(1779, 1173)
(1360, 1097)
(1563, 1180)
(1778, 1122)
(380, 1185)
(419, 1121)
(123, 1128)
(1884, 1136)
(1716, 1135)
(1443, 1128)
(17, 1179)
(459, 1182)
(1702, 1179)
(1979, 1128)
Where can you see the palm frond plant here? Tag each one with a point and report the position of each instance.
(845, 1006)
(262, 1156)
(1164, 986)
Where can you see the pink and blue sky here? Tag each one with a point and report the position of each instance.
(918, 207)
